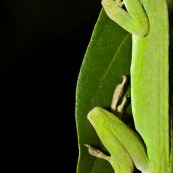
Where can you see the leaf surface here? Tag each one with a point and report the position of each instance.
(107, 58)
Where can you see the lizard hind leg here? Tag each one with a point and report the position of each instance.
(119, 90)
(128, 166)
(120, 108)
(97, 153)
(129, 14)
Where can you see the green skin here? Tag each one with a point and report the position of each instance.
(111, 130)
(148, 23)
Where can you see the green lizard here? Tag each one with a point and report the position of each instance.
(148, 23)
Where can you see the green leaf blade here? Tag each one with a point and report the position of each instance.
(107, 58)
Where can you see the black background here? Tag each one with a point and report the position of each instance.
(43, 43)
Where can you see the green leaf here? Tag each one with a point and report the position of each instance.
(107, 58)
